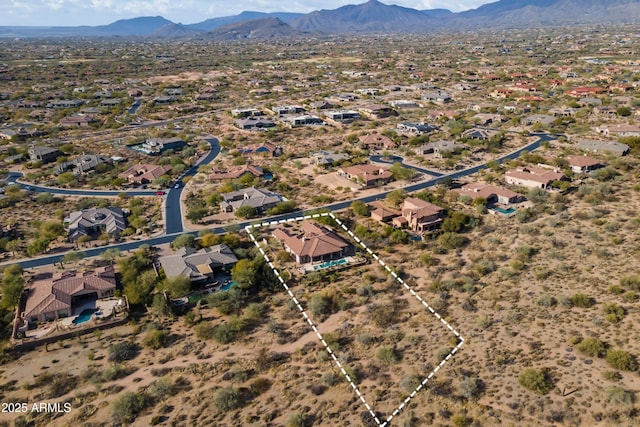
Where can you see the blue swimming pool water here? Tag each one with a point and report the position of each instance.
(84, 316)
(228, 286)
(505, 211)
(330, 264)
(268, 176)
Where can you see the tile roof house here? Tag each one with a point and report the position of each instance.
(258, 198)
(315, 243)
(237, 172)
(595, 146)
(533, 177)
(144, 174)
(381, 213)
(77, 121)
(377, 141)
(44, 154)
(156, 146)
(581, 164)
(439, 148)
(199, 266)
(367, 175)
(478, 134)
(89, 222)
(620, 130)
(419, 216)
(82, 164)
(492, 193)
(52, 299)
(263, 148)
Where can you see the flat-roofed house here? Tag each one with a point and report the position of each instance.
(314, 243)
(533, 177)
(54, 298)
(419, 216)
(595, 146)
(44, 154)
(199, 266)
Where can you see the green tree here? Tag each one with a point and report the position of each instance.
(456, 222)
(155, 339)
(360, 208)
(177, 287)
(400, 172)
(535, 380)
(126, 406)
(138, 290)
(246, 212)
(245, 273)
(12, 286)
(396, 197)
(73, 257)
(622, 360)
(592, 347)
(184, 240)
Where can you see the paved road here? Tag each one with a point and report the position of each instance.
(394, 159)
(14, 178)
(169, 237)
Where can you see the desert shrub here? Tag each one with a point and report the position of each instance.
(409, 382)
(443, 352)
(205, 330)
(581, 300)
(452, 240)
(226, 399)
(383, 316)
(619, 396)
(483, 321)
(622, 360)
(484, 267)
(155, 339)
(611, 375)
(427, 260)
(123, 351)
(161, 388)
(128, 405)
(630, 282)
(535, 380)
(387, 355)
(592, 347)
(470, 387)
(630, 296)
(613, 312)
(297, 420)
(546, 300)
(326, 302)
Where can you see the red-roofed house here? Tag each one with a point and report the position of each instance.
(377, 141)
(144, 174)
(581, 164)
(55, 298)
(367, 175)
(419, 215)
(533, 177)
(315, 243)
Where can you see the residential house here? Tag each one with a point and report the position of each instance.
(486, 119)
(44, 154)
(144, 173)
(342, 116)
(237, 172)
(581, 164)
(258, 198)
(543, 119)
(157, 146)
(595, 146)
(367, 175)
(533, 177)
(96, 221)
(327, 158)
(305, 120)
(479, 134)
(605, 110)
(491, 193)
(164, 99)
(581, 92)
(377, 111)
(65, 103)
(55, 298)
(21, 133)
(415, 129)
(381, 213)
(110, 103)
(564, 112)
(439, 148)
(82, 164)
(77, 121)
(283, 110)
(242, 113)
(315, 243)
(199, 266)
(619, 130)
(404, 104)
(438, 97)
(266, 148)
(252, 122)
(419, 216)
(323, 105)
(376, 141)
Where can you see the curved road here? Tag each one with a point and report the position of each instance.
(396, 159)
(169, 237)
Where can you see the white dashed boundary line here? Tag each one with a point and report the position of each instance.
(315, 328)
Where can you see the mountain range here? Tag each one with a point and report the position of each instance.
(370, 17)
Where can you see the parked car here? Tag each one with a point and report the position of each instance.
(160, 193)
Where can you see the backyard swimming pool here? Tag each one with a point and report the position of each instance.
(84, 316)
(330, 264)
(504, 211)
(228, 286)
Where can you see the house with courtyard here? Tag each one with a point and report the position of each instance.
(58, 296)
(82, 164)
(342, 116)
(533, 177)
(478, 134)
(439, 148)
(254, 123)
(144, 173)
(200, 266)
(367, 175)
(376, 141)
(237, 172)
(44, 154)
(242, 113)
(314, 243)
(620, 130)
(491, 193)
(327, 158)
(268, 149)
(381, 213)
(419, 216)
(77, 120)
(259, 199)
(304, 120)
(415, 129)
(377, 111)
(96, 221)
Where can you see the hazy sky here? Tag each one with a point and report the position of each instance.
(98, 12)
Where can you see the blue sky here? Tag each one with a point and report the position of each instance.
(98, 12)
